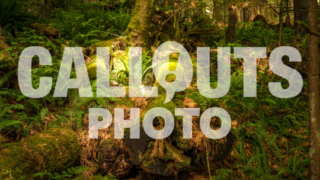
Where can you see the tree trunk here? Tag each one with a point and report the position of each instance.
(51, 151)
(238, 15)
(288, 23)
(245, 13)
(47, 9)
(231, 33)
(280, 23)
(300, 7)
(252, 11)
(214, 14)
(139, 26)
(314, 98)
(177, 28)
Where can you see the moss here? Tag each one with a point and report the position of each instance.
(110, 44)
(170, 163)
(164, 38)
(92, 66)
(147, 154)
(182, 144)
(119, 62)
(3, 139)
(139, 27)
(159, 102)
(180, 161)
(53, 150)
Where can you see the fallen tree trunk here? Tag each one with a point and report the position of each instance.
(47, 30)
(53, 150)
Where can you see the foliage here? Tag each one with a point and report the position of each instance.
(264, 122)
(222, 174)
(9, 10)
(71, 172)
(270, 138)
(87, 27)
(257, 34)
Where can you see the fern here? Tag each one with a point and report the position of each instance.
(6, 77)
(222, 174)
(71, 172)
(10, 123)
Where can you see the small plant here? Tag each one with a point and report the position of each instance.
(222, 174)
(71, 172)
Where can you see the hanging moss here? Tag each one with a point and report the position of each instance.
(53, 150)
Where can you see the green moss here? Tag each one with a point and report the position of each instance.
(110, 44)
(159, 102)
(180, 161)
(139, 27)
(53, 150)
(147, 154)
(92, 66)
(119, 62)
(3, 139)
(172, 66)
(164, 38)
(182, 144)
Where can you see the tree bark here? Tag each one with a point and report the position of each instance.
(314, 97)
(300, 7)
(245, 13)
(280, 23)
(288, 22)
(238, 15)
(231, 33)
(139, 26)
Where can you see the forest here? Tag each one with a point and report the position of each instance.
(47, 136)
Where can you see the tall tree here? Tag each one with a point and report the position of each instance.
(245, 12)
(238, 15)
(288, 22)
(231, 33)
(280, 23)
(300, 7)
(314, 90)
(139, 26)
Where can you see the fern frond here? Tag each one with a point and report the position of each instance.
(9, 123)
(6, 77)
